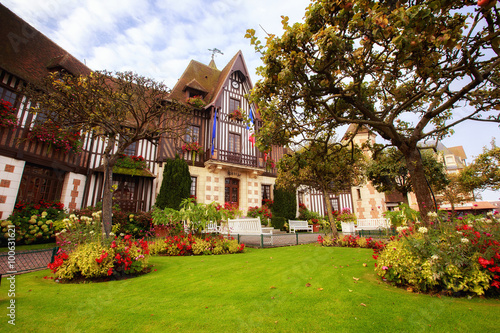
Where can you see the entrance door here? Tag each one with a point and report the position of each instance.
(232, 191)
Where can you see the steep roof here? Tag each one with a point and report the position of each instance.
(458, 151)
(208, 79)
(29, 54)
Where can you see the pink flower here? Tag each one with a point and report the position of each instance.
(385, 268)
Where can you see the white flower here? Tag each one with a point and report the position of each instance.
(432, 214)
(122, 234)
(72, 216)
(422, 230)
(435, 257)
(91, 232)
(111, 233)
(465, 240)
(489, 213)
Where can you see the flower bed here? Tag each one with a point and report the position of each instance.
(451, 257)
(185, 245)
(97, 260)
(352, 241)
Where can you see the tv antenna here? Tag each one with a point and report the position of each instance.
(214, 51)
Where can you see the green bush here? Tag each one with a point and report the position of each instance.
(285, 204)
(278, 222)
(186, 245)
(176, 184)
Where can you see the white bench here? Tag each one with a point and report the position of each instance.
(248, 226)
(348, 227)
(299, 225)
(373, 224)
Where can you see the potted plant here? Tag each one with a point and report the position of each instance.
(57, 137)
(196, 101)
(8, 116)
(347, 217)
(194, 148)
(236, 115)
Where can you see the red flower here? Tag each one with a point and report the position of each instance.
(110, 271)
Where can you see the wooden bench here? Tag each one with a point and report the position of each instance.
(248, 226)
(373, 224)
(299, 225)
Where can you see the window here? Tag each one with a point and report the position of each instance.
(359, 193)
(40, 183)
(234, 104)
(192, 134)
(266, 191)
(234, 143)
(231, 191)
(8, 95)
(450, 160)
(193, 186)
(131, 149)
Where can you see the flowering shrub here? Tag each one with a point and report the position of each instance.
(54, 136)
(263, 212)
(352, 241)
(268, 203)
(196, 101)
(447, 256)
(230, 210)
(8, 115)
(34, 222)
(185, 245)
(94, 259)
(77, 230)
(345, 215)
(270, 164)
(131, 162)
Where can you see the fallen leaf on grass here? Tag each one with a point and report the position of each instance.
(308, 284)
(364, 264)
(320, 289)
(354, 278)
(409, 289)
(272, 287)
(350, 290)
(363, 304)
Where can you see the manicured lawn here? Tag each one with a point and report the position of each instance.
(262, 290)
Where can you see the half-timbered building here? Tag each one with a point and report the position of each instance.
(32, 170)
(230, 168)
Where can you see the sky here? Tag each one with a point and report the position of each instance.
(157, 39)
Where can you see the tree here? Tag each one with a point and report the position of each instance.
(325, 166)
(484, 172)
(398, 67)
(120, 109)
(388, 172)
(176, 184)
(285, 203)
(455, 192)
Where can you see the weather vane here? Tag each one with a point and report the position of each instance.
(214, 51)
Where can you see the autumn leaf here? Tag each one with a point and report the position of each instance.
(354, 278)
(308, 284)
(363, 304)
(272, 287)
(320, 289)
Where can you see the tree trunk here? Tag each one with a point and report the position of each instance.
(333, 223)
(419, 183)
(107, 195)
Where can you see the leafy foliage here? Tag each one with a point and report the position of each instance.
(176, 184)
(388, 172)
(399, 68)
(484, 172)
(285, 203)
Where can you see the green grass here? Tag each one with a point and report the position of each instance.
(30, 247)
(232, 293)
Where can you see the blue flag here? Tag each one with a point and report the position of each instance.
(213, 133)
(251, 132)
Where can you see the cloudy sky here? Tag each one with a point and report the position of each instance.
(158, 39)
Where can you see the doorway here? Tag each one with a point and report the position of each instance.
(231, 193)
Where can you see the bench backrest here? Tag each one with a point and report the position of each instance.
(379, 223)
(249, 225)
(297, 223)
